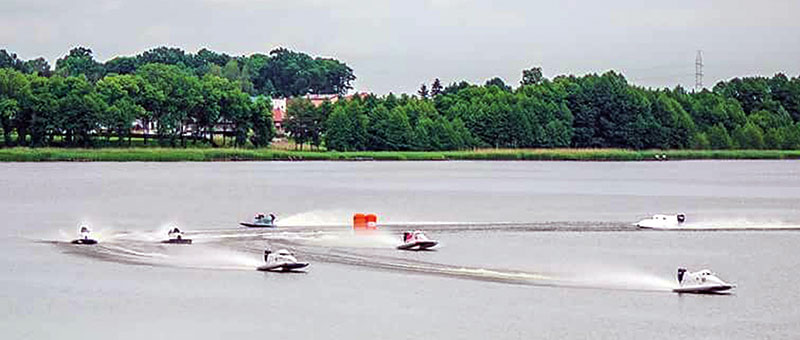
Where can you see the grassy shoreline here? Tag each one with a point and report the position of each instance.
(221, 155)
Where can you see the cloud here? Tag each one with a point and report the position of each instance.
(396, 45)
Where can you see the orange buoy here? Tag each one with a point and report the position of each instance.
(359, 221)
(372, 221)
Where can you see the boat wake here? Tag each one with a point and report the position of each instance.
(157, 255)
(740, 225)
(242, 249)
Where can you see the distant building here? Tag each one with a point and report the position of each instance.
(318, 99)
(278, 112)
(280, 105)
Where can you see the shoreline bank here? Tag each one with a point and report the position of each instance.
(223, 155)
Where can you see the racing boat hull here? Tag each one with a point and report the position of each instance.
(178, 241)
(84, 241)
(282, 267)
(418, 245)
(705, 289)
(256, 225)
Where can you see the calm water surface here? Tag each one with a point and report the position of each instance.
(528, 250)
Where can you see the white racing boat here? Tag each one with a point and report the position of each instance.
(416, 240)
(261, 220)
(85, 236)
(663, 222)
(176, 237)
(701, 282)
(281, 261)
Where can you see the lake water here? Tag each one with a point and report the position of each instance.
(528, 250)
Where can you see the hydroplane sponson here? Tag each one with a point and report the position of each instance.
(663, 222)
(416, 240)
(700, 282)
(175, 236)
(85, 236)
(281, 261)
(261, 220)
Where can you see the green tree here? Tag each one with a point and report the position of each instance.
(37, 66)
(208, 112)
(496, 81)
(13, 92)
(223, 102)
(206, 56)
(339, 130)
(787, 93)
(388, 130)
(422, 139)
(41, 109)
(718, 137)
(80, 61)
(263, 127)
(436, 87)
(10, 60)
(168, 56)
(289, 73)
(423, 91)
(557, 134)
(748, 136)
(8, 111)
(708, 109)
(750, 93)
(532, 76)
(121, 95)
(79, 110)
(770, 120)
(673, 122)
(237, 111)
(121, 65)
(231, 70)
(304, 122)
(699, 141)
(170, 94)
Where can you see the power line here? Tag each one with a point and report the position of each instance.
(698, 71)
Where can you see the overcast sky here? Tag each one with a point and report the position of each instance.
(395, 46)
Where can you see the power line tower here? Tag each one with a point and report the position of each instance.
(698, 71)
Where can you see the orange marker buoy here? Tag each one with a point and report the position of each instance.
(372, 222)
(359, 221)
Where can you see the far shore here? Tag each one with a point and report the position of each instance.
(20, 154)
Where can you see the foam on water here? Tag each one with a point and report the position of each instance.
(619, 279)
(317, 218)
(223, 250)
(740, 224)
(349, 239)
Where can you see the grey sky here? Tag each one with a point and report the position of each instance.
(395, 46)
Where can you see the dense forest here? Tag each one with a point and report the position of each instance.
(83, 102)
(592, 111)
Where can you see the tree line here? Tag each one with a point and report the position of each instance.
(591, 111)
(183, 95)
(282, 72)
(189, 95)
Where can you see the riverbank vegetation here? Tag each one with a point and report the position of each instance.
(194, 100)
(184, 97)
(20, 154)
(592, 111)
